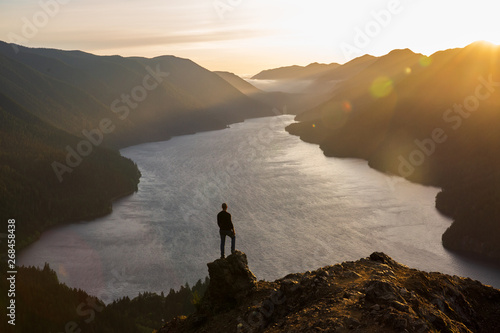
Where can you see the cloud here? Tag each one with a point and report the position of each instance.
(94, 25)
(116, 39)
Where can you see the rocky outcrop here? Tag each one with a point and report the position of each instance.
(230, 280)
(374, 294)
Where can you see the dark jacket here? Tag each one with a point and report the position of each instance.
(224, 221)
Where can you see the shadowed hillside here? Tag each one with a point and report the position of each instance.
(149, 99)
(43, 304)
(433, 120)
(30, 190)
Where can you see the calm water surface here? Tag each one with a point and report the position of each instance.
(293, 208)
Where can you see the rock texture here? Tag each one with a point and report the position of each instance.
(374, 294)
(230, 280)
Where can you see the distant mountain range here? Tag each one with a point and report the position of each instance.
(320, 79)
(293, 103)
(296, 72)
(434, 120)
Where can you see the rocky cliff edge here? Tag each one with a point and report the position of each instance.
(374, 294)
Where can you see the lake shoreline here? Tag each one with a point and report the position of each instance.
(148, 238)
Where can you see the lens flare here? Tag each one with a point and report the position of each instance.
(335, 114)
(62, 271)
(425, 61)
(346, 106)
(381, 87)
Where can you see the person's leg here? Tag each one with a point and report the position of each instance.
(222, 243)
(233, 241)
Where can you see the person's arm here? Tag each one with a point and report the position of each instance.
(232, 225)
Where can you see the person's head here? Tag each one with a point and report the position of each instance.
(224, 206)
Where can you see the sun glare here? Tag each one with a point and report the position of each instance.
(254, 35)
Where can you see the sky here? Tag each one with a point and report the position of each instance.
(247, 36)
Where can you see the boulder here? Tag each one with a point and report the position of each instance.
(230, 279)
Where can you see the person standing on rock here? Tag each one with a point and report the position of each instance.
(226, 229)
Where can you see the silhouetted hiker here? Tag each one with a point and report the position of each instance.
(226, 229)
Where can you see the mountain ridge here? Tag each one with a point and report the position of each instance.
(407, 116)
(374, 294)
(295, 72)
(168, 95)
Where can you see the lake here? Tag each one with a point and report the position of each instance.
(293, 209)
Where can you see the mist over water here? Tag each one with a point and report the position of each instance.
(287, 86)
(293, 209)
